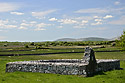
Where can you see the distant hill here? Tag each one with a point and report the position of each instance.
(115, 38)
(93, 39)
(66, 39)
(83, 39)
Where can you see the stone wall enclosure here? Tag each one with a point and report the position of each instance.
(86, 66)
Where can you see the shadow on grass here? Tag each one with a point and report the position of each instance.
(97, 73)
(102, 72)
(120, 69)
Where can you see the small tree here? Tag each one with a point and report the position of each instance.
(121, 41)
(5, 45)
(32, 43)
(26, 46)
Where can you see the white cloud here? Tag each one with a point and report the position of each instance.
(42, 25)
(52, 19)
(16, 13)
(67, 21)
(81, 24)
(84, 22)
(22, 27)
(42, 17)
(117, 11)
(10, 26)
(102, 10)
(92, 10)
(120, 21)
(30, 24)
(83, 18)
(33, 22)
(24, 24)
(98, 23)
(96, 17)
(6, 7)
(43, 13)
(117, 3)
(107, 16)
(98, 20)
(39, 29)
(5, 24)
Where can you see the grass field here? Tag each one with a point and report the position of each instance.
(115, 76)
(22, 50)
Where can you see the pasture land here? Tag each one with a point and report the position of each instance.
(115, 76)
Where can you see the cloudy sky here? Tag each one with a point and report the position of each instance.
(40, 20)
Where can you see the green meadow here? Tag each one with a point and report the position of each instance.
(114, 76)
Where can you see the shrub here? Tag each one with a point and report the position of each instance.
(113, 44)
(32, 43)
(26, 46)
(38, 47)
(121, 41)
(5, 45)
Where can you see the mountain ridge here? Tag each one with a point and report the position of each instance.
(84, 39)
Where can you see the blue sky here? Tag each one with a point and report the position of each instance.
(41, 20)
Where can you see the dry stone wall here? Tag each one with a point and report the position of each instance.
(61, 66)
(106, 65)
(86, 66)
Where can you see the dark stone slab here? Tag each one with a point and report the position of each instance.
(89, 58)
